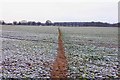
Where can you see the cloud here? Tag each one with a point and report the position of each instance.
(58, 10)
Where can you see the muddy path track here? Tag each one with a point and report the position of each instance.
(59, 68)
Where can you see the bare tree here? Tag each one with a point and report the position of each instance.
(48, 23)
(14, 22)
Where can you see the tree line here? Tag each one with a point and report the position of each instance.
(49, 23)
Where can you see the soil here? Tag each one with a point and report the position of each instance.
(59, 67)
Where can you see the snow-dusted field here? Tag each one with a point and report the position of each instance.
(92, 52)
(29, 51)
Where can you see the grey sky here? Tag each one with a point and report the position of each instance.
(60, 10)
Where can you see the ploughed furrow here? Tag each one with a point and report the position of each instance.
(59, 68)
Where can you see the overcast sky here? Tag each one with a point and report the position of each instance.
(59, 10)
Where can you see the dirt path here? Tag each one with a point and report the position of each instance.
(59, 68)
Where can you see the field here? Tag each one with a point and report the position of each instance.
(30, 51)
(91, 52)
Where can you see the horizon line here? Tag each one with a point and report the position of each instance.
(55, 21)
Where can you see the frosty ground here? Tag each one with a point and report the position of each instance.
(29, 51)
